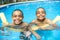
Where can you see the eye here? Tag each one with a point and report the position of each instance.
(38, 12)
(43, 12)
(14, 15)
(20, 16)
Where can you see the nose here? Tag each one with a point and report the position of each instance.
(17, 17)
(40, 13)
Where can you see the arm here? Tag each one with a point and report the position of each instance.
(33, 32)
(50, 25)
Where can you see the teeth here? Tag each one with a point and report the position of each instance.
(41, 17)
(16, 20)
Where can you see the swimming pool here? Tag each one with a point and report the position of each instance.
(29, 10)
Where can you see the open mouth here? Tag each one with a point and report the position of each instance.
(16, 21)
(41, 17)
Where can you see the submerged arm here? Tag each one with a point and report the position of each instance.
(34, 33)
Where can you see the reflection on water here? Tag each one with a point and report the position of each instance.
(45, 34)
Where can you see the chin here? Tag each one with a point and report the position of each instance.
(17, 23)
(40, 19)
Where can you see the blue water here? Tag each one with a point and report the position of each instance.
(29, 11)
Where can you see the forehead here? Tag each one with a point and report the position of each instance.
(40, 9)
(17, 13)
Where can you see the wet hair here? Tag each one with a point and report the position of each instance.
(41, 8)
(18, 10)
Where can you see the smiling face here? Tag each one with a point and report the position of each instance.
(40, 14)
(17, 17)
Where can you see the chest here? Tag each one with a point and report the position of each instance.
(39, 23)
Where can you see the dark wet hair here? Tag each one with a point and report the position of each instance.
(17, 10)
(41, 8)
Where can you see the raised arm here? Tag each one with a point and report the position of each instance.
(49, 26)
(34, 33)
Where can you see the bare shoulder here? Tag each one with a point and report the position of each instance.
(34, 21)
(25, 24)
(51, 23)
(48, 20)
(7, 25)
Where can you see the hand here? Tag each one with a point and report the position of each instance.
(49, 28)
(27, 33)
(37, 36)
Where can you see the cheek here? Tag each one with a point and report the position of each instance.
(13, 18)
(43, 14)
(38, 14)
(20, 18)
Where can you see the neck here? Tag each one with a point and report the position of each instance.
(41, 20)
(18, 24)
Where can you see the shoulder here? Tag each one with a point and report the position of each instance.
(51, 22)
(7, 25)
(25, 24)
(48, 20)
(34, 21)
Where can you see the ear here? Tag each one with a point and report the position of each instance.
(23, 17)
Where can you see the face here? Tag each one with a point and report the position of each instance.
(40, 14)
(17, 17)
